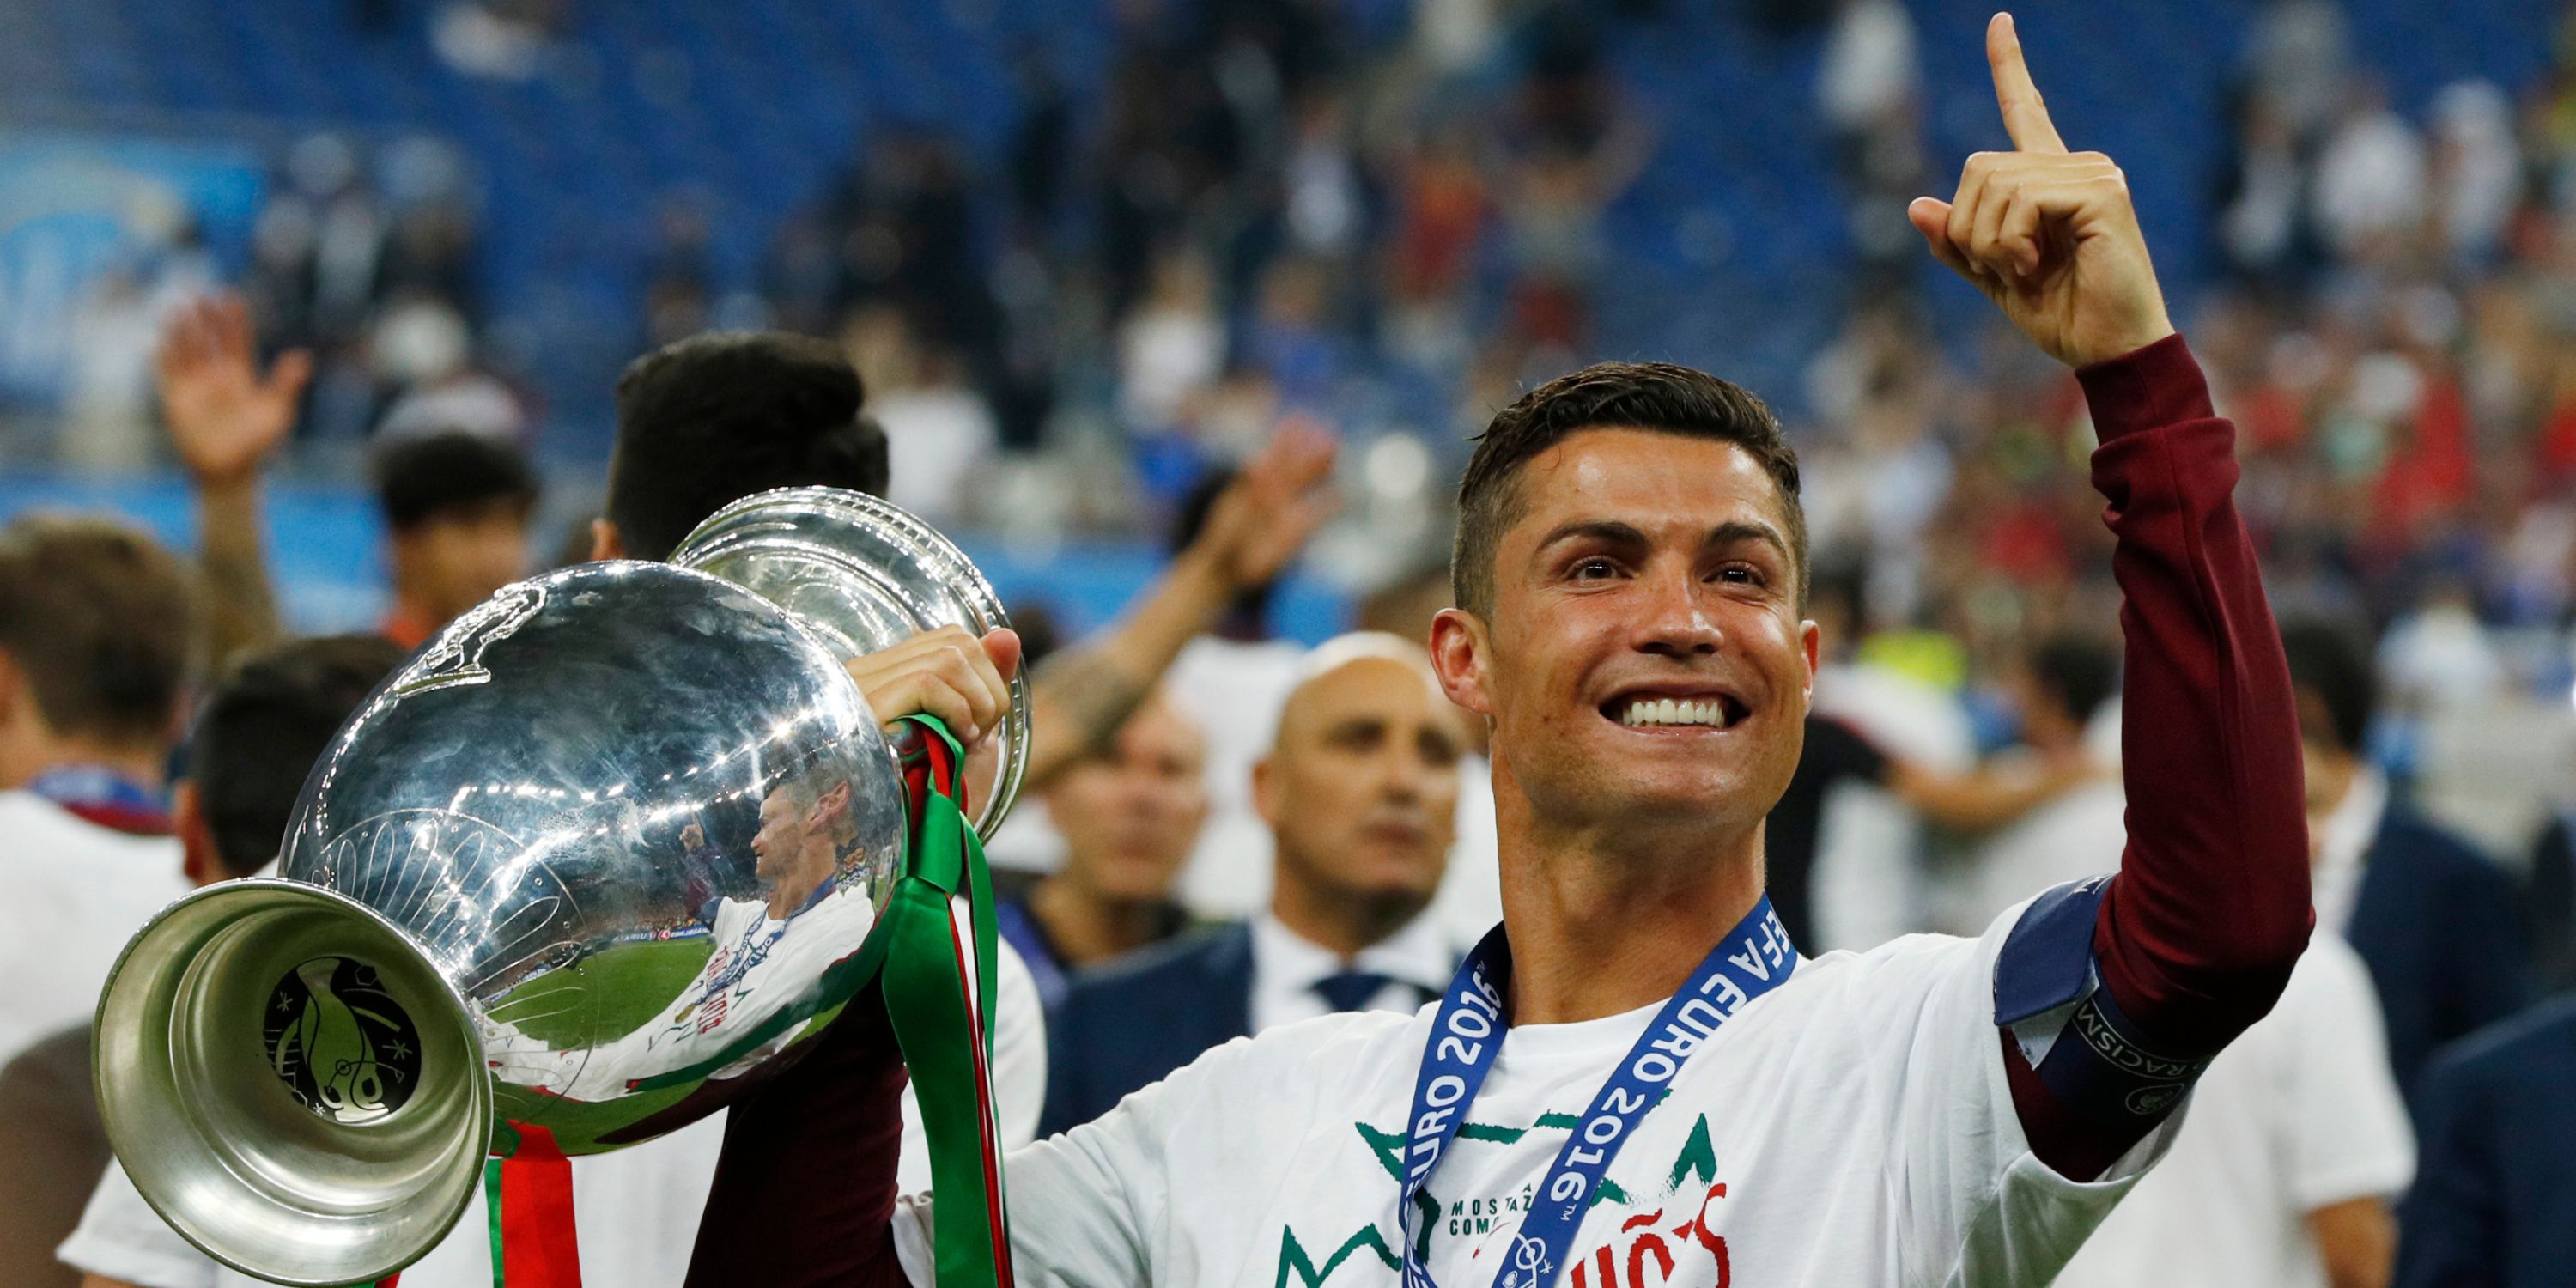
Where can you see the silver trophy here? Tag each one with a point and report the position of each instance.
(587, 867)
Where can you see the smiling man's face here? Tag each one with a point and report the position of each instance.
(1643, 659)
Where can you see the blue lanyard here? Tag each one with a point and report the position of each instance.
(95, 786)
(1467, 1032)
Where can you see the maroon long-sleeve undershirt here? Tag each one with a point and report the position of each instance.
(804, 1192)
(2210, 909)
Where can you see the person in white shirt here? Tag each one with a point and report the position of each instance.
(1936, 1111)
(94, 636)
(1360, 790)
(2282, 1175)
(2068, 821)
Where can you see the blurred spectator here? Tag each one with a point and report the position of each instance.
(456, 515)
(1128, 816)
(261, 731)
(2282, 1173)
(422, 348)
(939, 431)
(2063, 695)
(2434, 919)
(1361, 792)
(501, 39)
(2493, 1203)
(1172, 347)
(94, 639)
(679, 279)
(2370, 179)
(2476, 172)
(1868, 88)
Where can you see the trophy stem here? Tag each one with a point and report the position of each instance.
(290, 1081)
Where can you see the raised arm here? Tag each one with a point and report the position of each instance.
(224, 418)
(1083, 696)
(2195, 937)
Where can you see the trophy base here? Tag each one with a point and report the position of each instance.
(298, 1091)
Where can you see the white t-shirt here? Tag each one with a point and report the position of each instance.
(77, 892)
(2070, 837)
(1852, 1127)
(2299, 1113)
(635, 1210)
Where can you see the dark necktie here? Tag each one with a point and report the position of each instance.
(1351, 989)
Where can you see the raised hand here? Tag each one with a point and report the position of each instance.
(224, 417)
(2048, 235)
(1274, 506)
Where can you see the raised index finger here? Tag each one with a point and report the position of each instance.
(2025, 116)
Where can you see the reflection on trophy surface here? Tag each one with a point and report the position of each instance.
(579, 873)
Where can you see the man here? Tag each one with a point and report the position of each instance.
(456, 509)
(1935, 1111)
(2436, 921)
(2494, 1204)
(1360, 791)
(93, 628)
(259, 733)
(94, 638)
(1128, 817)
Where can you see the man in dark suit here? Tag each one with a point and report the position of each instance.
(2434, 919)
(1360, 790)
(2494, 1202)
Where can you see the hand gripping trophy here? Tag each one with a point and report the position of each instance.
(604, 853)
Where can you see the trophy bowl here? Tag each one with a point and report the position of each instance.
(598, 857)
(867, 574)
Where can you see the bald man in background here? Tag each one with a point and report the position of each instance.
(1360, 791)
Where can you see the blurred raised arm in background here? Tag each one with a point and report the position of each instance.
(1083, 696)
(226, 417)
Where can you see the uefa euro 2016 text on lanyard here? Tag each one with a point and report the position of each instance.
(1467, 1033)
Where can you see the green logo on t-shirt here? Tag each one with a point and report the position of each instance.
(1472, 1216)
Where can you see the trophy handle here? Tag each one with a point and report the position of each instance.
(251, 1049)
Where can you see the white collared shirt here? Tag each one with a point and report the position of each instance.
(1286, 966)
(2343, 843)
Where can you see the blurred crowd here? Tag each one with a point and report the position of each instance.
(1309, 245)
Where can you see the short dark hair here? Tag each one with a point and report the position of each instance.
(97, 615)
(2332, 663)
(2077, 672)
(262, 729)
(706, 421)
(1656, 396)
(429, 476)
